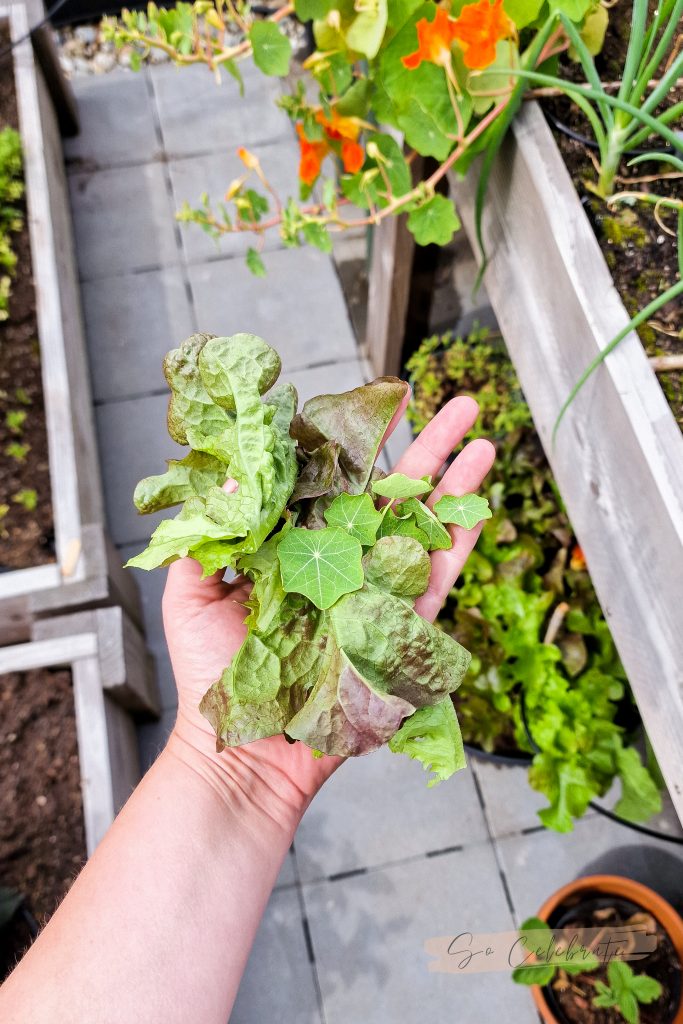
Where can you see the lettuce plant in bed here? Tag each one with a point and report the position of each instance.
(337, 553)
(526, 608)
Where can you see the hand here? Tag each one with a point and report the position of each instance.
(204, 619)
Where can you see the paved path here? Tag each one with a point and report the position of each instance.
(381, 863)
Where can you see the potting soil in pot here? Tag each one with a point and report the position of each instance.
(571, 998)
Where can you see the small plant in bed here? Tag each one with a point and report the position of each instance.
(544, 666)
(337, 553)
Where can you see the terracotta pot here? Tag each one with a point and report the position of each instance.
(626, 888)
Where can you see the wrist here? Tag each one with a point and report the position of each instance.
(240, 777)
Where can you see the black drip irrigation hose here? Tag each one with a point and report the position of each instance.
(591, 143)
(643, 829)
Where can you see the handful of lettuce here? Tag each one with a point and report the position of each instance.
(335, 655)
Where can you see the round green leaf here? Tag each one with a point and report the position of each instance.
(434, 222)
(398, 485)
(356, 514)
(466, 510)
(323, 565)
(399, 565)
(272, 49)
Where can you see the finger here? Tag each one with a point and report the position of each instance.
(429, 451)
(464, 476)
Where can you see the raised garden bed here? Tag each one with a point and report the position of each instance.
(618, 456)
(55, 554)
(103, 656)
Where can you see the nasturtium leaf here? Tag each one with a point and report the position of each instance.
(593, 31)
(272, 49)
(522, 12)
(356, 514)
(317, 235)
(384, 162)
(399, 565)
(255, 263)
(574, 9)
(323, 565)
(466, 510)
(393, 525)
(434, 221)
(432, 736)
(308, 10)
(398, 485)
(438, 536)
(367, 29)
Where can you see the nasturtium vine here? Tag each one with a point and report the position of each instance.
(337, 553)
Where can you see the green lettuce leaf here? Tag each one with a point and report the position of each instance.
(432, 736)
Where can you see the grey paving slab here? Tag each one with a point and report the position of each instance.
(131, 323)
(199, 116)
(123, 220)
(278, 983)
(537, 864)
(377, 809)
(133, 443)
(322, 380)
(511, 804)
(368, 934)
(213, 173)
(151, 587)
(117, 122)
(298, 307)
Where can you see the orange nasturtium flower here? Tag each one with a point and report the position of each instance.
(337, 129)
(478, 28)
(577, 560)
(434, 41)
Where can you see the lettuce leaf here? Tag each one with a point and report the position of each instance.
(335, 655)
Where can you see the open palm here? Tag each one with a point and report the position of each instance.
(204, 619)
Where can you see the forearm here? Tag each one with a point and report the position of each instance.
(159, 924)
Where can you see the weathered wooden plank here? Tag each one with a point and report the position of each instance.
(107, 745)
(60, 650)
(86, 571)
(618, 458)
(125, 670)
(388, 294)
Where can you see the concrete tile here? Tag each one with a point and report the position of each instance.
(152, 738)
(123, 221)
(278, 982)
(133, 443)
(511, 804)
(368, 933)
(227, 120)
(344, 829)
(537, 864)
(117, 122)
(213, 173)
(322, 380)
(131, 323)
(298, 307)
